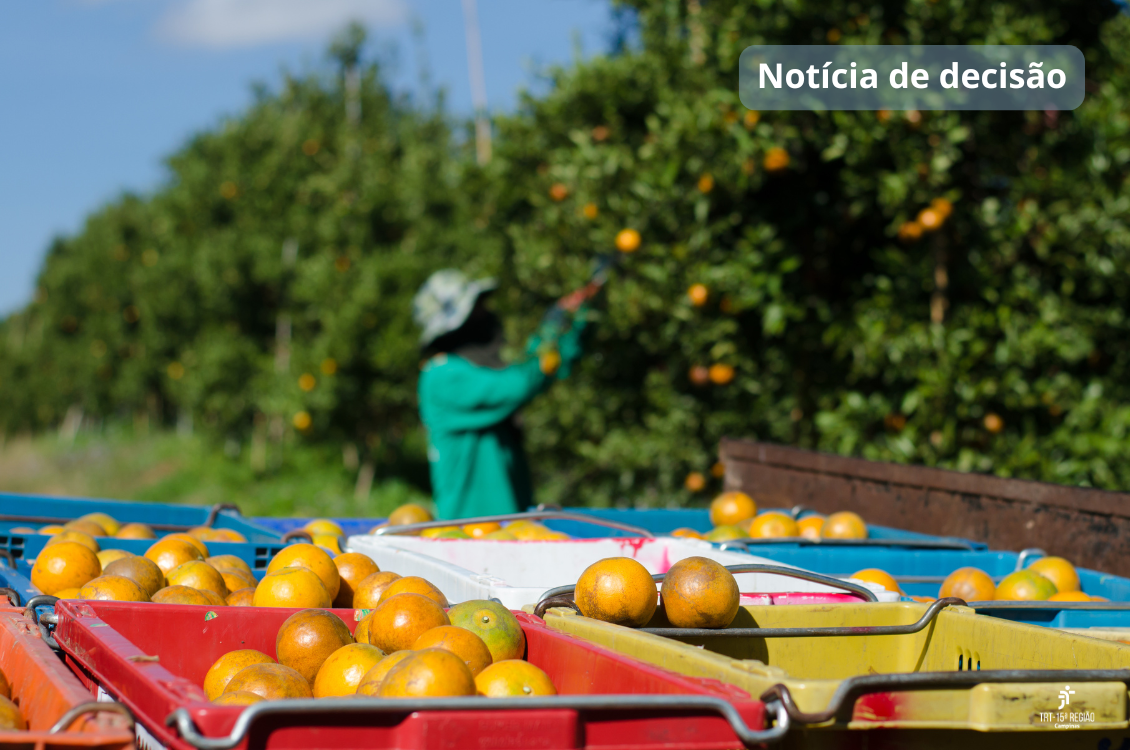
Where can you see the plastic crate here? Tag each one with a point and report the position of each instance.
(16, 581)
(257, 555)
(942, 674)
(153, 658)
(46, 691)
(519, 572)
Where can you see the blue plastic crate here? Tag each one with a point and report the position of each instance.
(1061, 614)
(17, 580)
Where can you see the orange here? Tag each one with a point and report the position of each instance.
(528, 531)
(51, 529)
(213, 598)
(229, 562)
(10, 718)
(227, 535)
(371, 683)
(200, 546)
(970, 584)
(698, 592)
(844, 525)
(930, 219)
(431, 673)
(513, 678)
(617, 590)
(241, 598)
(107, 556)
(1026, 586)
(342, 672)
(627, 240)
(1058, 571)
(500, 536)
(227, 666)
(368, 592)
(270, 681)
(943, 206)
(435, 531)
(109, 525)
(776, 159)
(169, 553)
(238, 698)
(135, 531)
(879, 577)
(773, 525)
(234, 580)
(399, 620)
(307, 638)
(72, 593)
(203, 533)
(141, 570)
(361, 632)
(459, 641)
(479, 530)
(328, 542)
(24, 530)
(198, 574)
(725, 534)
(810, 527)
(698, 294)
(323, 526)
(409, 513)
(113, 589)
(731, 508)
(181, 595)
(415, 585)
(699, 375)
(687, 533)
(1070, 596)
(497, 626)
(993, 423)
(721, 374)
(558, 192)
(66, 565)
(452, 533)
(291, 587)
(352, 567)
(312, 558)
(86, 526)
(71, 535)
(923, 599)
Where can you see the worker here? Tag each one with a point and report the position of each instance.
(469, 397)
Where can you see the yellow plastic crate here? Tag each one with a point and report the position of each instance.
(813, 668)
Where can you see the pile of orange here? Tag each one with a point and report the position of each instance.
(1048, 579)
(10, 718)
(735, 516)
(521, 530)
(104, 525)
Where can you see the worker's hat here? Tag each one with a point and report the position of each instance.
(444, 302)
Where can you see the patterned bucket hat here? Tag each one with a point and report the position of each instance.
(444, 302)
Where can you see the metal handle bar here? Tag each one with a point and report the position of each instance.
(43, 600)
(7, 556)
(13, 596)
(90, 708)
(806, 542)
(293, 534)
(1022, 558)
(854, 687)
(561, 515)
(365, 706)
(215, 511)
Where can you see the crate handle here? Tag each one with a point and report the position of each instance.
(561, 515)
(43, 600)
(801, 541)
(854, 687)
(293, 534)
(13, 596)
(215, 511)
(9, 559)
(367, 706)
(90, 708)
(1022, 558)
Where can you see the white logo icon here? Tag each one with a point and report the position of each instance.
(1065, 696)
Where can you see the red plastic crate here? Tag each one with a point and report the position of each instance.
(153, 658)
(45, 690)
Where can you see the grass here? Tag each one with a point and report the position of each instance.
(170, 468)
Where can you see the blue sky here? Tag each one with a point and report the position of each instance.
(95, 93)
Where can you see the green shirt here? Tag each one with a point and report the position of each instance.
(478, 465)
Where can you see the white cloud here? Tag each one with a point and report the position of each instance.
(247, 23)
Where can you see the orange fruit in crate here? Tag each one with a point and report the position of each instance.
(323, 526)
(415, 585)
(686, 533)
(203, 533)
(361, 632)
(107, 556)
(198, 574)
(141, 570)
(135, 531)
(241, 598)
(617, 590)
(494, 624)
(10, 718)
(371, 683)
(66, 565)
(513, 678)
(271, 682)
(398, 621)
(1058, 571)
(500, 536)
(844, 525)
(200, 546)
(51, 529)
(810, 527)
(238, 698)
(329, 543)
(970, 584)
(731, 508)
(169, 553)
(213, 598)
(181, 595)
(342, 672)
(113, 589)
(72, 593)
(86, 526)
(1069, 596)
(773, 525)
(479, 530)
(79, 537)
(312, 558)
(291, 587)
(459, 641)
(307, 638)
(1025, 586)
(227, 535)
(369, 590)
(725, 534)
(878, 577)
(228, 666)
(431, 673)
(528, 531)
(352, 567)
(107, 522)
(435, 531)
(229, 562)
(235, 580)
(699, 592)
(409, 513)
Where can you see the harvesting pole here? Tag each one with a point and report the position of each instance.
(478, 81)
